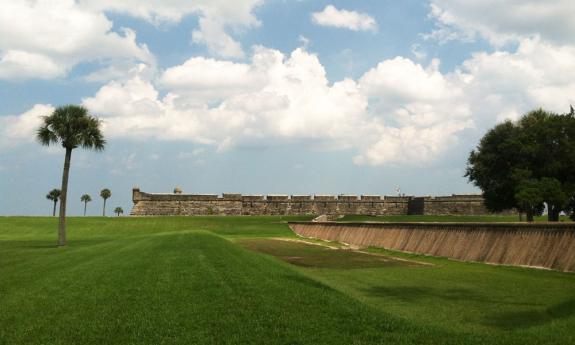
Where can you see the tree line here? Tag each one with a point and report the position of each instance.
(54, 196)
(528, 165)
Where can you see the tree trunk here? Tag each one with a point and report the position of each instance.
(62, 224)
(54, 210)
(104, 209)
(85, 204)
(553, 213)
(529, 215)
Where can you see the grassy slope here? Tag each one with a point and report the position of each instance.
(178, 280)
(511, 304)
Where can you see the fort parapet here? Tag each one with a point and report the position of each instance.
(178, 204)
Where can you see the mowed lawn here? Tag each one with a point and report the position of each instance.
(248, 280)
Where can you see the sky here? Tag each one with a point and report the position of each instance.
(271, 96)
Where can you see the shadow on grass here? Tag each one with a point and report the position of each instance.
(316, 256)
(414, 294)
(531, 318)
(307, 281)
(51, 244)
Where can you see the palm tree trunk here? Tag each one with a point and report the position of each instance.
(85, 204)
(54, 210)
(62, 224)
(104, 209)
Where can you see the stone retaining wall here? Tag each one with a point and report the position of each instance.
(546, 245)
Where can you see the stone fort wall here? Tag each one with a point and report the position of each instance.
(177, 204)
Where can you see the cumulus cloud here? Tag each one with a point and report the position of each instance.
(217, 18)
(504, 85)
(501, 22)
(16, 129)
(45, 39)
(273, 99)
(399, 111)
(352, 20)
(422, 109)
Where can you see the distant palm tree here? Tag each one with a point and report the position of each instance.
(105, 194)
(85, 199)
(118, 210)
(71, 126)
(54, 195)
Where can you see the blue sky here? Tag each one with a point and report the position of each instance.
(256, 97)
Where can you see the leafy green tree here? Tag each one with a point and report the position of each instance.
(118, 210)
(493, 167)
(517, 164)
(85, 199)
(530, 199)
(71, 126)
(54, 196)
(105, 194)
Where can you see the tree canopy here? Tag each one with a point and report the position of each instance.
(527, 164)
(54, 196)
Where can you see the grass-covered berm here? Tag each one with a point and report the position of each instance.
(250, 280)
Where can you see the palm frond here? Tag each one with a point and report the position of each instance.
(72, 126)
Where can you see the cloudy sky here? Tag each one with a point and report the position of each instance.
(271, 96)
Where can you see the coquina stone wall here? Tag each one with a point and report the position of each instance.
(547, 245)
(175, 204)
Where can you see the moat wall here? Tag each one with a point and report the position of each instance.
(151, 204)
(519, 244)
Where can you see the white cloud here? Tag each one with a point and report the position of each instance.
(19, 65)
(45, 39)
(501, 22)
(210, 78)
(16, 129)
(275, 98)
(423, 111)
(352, 20)
(505, 85)
(398, 112)
(213, 34)
(418, 52)
(217, 18)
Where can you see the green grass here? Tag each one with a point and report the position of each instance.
(416, 218)
(229, 280)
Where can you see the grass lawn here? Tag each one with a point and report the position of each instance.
(249, 280)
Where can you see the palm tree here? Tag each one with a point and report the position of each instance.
(105, 194)
(118, 210)
(71, 126)
(85, 199)
(54, 195)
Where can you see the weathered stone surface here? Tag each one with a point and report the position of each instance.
(147, 204)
